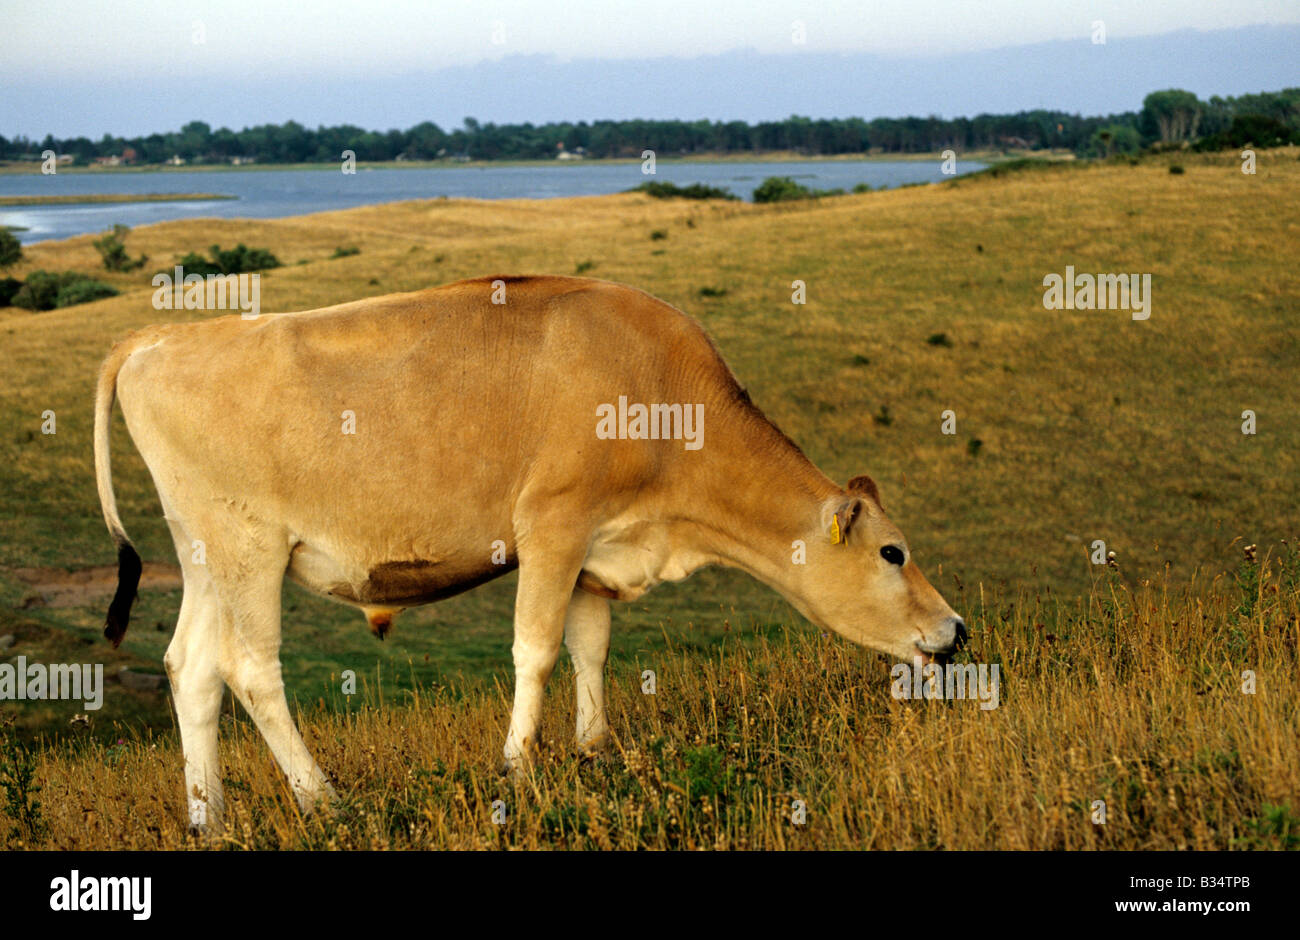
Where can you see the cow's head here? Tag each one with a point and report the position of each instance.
(863, 584)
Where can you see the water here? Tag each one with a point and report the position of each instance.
(268, 194)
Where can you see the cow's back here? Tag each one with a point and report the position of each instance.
(413, 423)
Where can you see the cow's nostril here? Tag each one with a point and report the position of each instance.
(961, 635)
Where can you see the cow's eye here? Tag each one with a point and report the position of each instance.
(892, 554)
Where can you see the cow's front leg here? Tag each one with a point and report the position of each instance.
(546, 580)
(586, 634)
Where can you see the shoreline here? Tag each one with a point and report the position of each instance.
(983, 156)
(11, 202)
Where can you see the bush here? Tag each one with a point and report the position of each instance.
(785, 189)
(82, 291)
(11, 249)
(1018, 165)
(346, 251)
(862, 188)
(8, 287)
(40, 291)
(47, 290)
(238, 260)
(1256, 130)
(673, 191)
(1176, 169)
(112, 249)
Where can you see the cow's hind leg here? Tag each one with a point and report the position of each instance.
(191, 662)
(249, 661)
(586, 634)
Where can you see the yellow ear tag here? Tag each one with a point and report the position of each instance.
(835, 530)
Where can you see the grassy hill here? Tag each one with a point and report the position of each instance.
(1071, 426)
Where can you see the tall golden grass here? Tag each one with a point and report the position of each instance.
(1130, 696)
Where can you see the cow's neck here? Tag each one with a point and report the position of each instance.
(763, 496)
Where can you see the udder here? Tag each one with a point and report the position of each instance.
(397, 583)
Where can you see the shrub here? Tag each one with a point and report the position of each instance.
(1256, 130)
(11, 249)
(346, 251)
(82, 291)
(238, 260)
(112, 249)
(40, 291)
(673, 191)
(8, 287)
(785, 189)
(658, 235)
(1176, 169)
(862, 188)
(46, 290)
(18, 764)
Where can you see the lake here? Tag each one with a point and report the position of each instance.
(268, 194)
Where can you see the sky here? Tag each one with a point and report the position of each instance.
(80, 67)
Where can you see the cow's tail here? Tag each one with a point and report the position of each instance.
(128, 561)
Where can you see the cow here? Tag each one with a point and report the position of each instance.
(394, 451)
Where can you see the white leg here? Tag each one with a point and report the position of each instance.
(249, 661)
(586, 634)
(196, 692)
(546, 580)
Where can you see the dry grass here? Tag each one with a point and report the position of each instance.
(1092, 426)
(1131, 698)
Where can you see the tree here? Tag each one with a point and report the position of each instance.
(1171, 115)
(1113, 138)
(112, 249)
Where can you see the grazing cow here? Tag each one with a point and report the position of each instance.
(398, 450)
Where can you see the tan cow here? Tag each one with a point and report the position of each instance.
(395, 451)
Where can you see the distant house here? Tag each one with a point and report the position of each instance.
(114, 160)
(129, 155)
(65, 159)
(240, 161)
(576, 153)
(175, 160)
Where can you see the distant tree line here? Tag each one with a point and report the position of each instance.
(1172, 116)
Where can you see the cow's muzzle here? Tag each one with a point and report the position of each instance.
(942, 644)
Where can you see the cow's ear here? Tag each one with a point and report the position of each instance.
(865, 486)
(841, 518)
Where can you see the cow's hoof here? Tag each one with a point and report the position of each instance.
(593, 748)
(519, 767)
